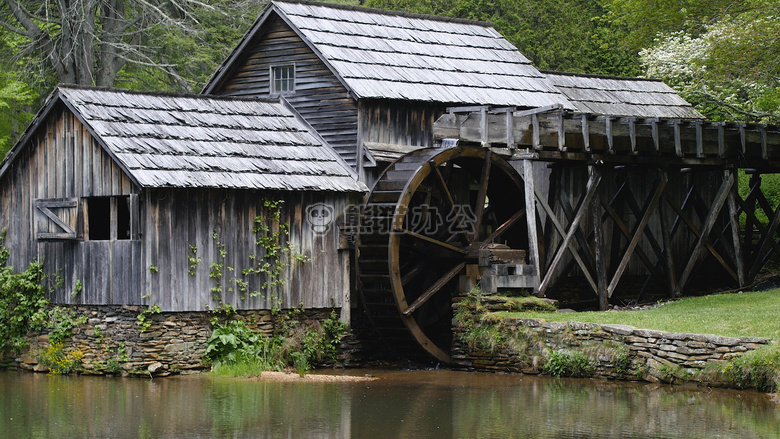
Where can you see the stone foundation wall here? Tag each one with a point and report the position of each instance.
(111, 341)
(614, 351)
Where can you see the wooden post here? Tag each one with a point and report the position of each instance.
(530, 217)
(639, 230)
(600, 251)
(734, 220)
(712, 216)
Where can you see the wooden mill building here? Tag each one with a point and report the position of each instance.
(135, 196)
(152, 199)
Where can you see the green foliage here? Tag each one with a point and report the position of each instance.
(237, 350)
(727, 67)
(642, 20)
(193, 259)
(759, 369)
(77, 289)
(61, 322)
(60, 361)
(545, 31)
(22, 302)
(673, 374)
(144, 319)
(568, 364)
(153, 269)
(15, 100)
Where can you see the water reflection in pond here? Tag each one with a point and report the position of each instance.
(400, 404)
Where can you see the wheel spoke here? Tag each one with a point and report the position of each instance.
(482, 195)
(439, 179)
(431, 240)
(506, 226)
(411, 274)
(434, 289)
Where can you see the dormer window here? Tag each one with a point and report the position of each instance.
(283, 79)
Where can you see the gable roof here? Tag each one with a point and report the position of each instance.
(631, 97)
(203, 141)
(391, 55)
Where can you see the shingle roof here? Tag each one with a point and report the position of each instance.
(630, 97)
(209, 142)
(390, 55)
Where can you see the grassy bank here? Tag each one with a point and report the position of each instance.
(749, 314)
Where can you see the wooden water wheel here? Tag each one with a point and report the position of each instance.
(425, 223)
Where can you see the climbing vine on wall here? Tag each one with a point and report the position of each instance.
(266, 266)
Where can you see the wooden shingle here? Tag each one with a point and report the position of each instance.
(205, 142)
(630, 97)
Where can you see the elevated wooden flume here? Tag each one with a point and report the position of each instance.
(626, 208)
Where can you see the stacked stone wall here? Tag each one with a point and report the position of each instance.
(112, 341)
(615, 351)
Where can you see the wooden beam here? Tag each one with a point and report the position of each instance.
(600, 256)
(677, 138)
(593, 184)
(654, 134)
(720, 199)
(699, 139)
(482, 194)
(561, 133)
(530, 217)
(734, 220)
(638, 232)
(585, 133)
(433, 289)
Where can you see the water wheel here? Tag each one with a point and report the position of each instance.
(422, 228)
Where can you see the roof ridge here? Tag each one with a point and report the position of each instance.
(168, 94)
(594, 75)
(390, 12)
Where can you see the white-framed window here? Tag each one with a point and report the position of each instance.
(283, 79)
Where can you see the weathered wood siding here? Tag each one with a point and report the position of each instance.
(398, 122)
(64, 162)
(570, 182)
(319, 96)
(176, 219)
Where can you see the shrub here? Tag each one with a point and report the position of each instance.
(22, 301)
(297, 344)
(59, 361)
(759, 369)
(568, 364)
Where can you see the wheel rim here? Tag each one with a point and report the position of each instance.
(435, 214)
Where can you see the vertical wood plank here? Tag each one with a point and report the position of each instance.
(530, 216)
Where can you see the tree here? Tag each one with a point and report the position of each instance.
(94, 42)
(731, 71)
(565, 35)
(642, 21)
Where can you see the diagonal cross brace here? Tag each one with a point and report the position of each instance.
(593, 183)
(720, 200)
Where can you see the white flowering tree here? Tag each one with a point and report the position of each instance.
(731, 71)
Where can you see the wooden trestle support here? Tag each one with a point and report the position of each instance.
(651, 198)
(653, 201)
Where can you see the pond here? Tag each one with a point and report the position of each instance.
(399, 404)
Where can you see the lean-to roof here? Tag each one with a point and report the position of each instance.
(631, 97)
(204, 141)
(390, 55)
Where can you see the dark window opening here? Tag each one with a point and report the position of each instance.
(107, 218)
(123, 218)
(99, 218)
(282, 79)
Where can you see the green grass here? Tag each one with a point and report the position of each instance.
(733, 315)
(240, 369)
